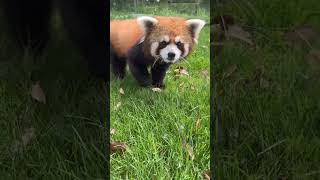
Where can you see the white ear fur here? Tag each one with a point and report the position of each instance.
(195, 26)
(146, 22)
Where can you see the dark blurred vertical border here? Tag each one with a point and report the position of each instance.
(108, 98)
(212, 109)
(106, 119)
(268, 127)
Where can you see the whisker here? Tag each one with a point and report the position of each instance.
(185, 60)
(156, 59)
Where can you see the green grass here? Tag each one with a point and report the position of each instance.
(154, 125)
(160, 10)
(268, 132)
(68, 129)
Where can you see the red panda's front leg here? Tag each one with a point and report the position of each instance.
(158, 72)
(140, 73)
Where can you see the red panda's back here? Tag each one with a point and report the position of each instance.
(124, 34)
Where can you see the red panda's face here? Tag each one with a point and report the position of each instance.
(169, 39)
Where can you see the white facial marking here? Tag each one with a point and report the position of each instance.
(185, 45)
(186, 50)
(171, 48)
(165, 38)
(141, 40)
(178, 39)
(153, 49)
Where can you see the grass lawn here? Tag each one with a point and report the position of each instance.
(268, 128)
(61, 139)
(155, 125)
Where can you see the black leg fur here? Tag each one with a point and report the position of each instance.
(158, 72)
(140, 73)
(118, 65)
(139, 63)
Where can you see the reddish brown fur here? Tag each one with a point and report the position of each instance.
(124, 34)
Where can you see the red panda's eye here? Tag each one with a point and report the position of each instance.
(163, 43)
(179, 43)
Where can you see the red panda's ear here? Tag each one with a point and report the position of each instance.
(146, 23)
(195, 26)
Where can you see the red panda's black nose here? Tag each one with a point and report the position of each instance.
(171, 56)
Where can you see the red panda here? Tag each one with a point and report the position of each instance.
(154, 42)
